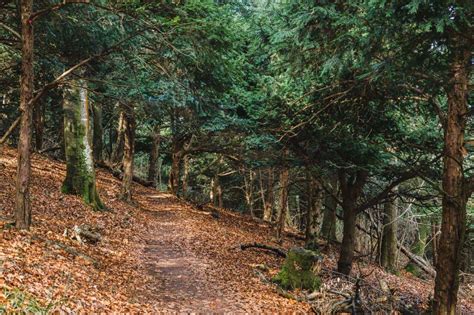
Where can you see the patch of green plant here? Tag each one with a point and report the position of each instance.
(20, 302)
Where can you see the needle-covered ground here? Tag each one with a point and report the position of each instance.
(160, 254)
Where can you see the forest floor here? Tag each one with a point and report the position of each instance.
(159, 254)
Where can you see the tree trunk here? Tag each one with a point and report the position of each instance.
(97, 144)
(283, 203)
(154, 155)
(313, 213)
(80, 173)
(117, 154)
(270, 196)
(350, 188)
(174, 171)
(328, 229)
(22, 201)
(455, 195)
(128, 152)
(388, 249)
(248, 184)
(38, 118)
(184, 179)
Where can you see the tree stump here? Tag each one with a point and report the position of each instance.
(300, 270)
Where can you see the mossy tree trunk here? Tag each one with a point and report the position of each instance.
(388, 247)
(128, 151)
(80, 173)
(328, 228)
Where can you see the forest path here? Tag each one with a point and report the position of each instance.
(181, 278)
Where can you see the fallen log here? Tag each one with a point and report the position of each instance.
(278, 251)
(417, 260)
(119, 175)
(85, 232)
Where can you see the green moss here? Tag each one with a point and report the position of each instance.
(298, 272)
(80, 174)
(413, 269)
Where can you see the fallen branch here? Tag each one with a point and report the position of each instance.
(279, 252)
(417, 260)
(68, 249)
(10, 130)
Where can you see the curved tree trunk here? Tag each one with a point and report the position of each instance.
(128, 152)
(22, 201)
(455, 195)
(80, 173)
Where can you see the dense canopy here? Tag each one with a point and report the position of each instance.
(347, 123)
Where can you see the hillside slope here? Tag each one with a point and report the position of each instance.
(157, 255)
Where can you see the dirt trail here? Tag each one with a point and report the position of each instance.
(182, 279)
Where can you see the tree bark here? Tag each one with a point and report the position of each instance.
(453, 224)
(97, 143)
(22, 200)
(388, 249)
(248, 184)
(351, 187)
(128, 152)
(117, 154)
(184, 179)
(284, 181)
(176, 156)
(80, 173)
(313, 213)
(154, 155)
(269, 198)
(328, 228)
